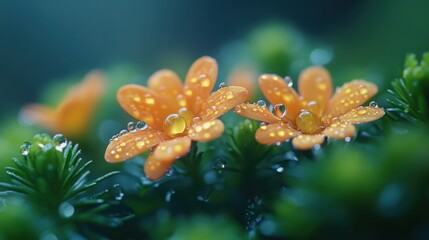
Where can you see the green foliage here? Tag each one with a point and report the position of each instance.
(410, 92)
(51, 178)
(352, 193)
(205, 227)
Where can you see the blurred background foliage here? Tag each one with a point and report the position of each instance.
(374, 187)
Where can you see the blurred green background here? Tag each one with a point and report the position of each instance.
(375, 183)
(41, 41)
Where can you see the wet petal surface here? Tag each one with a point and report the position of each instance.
(205, 131)
(274, 133)
(222, 101)
(256, 112)
(350, 96)
(172, 149)
(167, 84)
(306, 142)
(277, 91)
(362, 115)
(339, 130)
(132, 144)
(315, 84)
(199, 82)
(143, 104)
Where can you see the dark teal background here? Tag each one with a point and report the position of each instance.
(41, 41)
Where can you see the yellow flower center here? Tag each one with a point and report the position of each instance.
(174, 125)
(307, 122)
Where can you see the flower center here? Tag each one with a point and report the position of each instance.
(176, 124)
(307, 122)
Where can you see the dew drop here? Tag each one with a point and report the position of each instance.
(288, 81)
(279, 110)
(219, 166)
(131, 126)
(229, 95)
(196, 120)
(222, 85)
(373, 104)
(25, 148)
(348, 139)
(66, 210)
(122, 132)
(237, 109)
(174, 125)
(278, 168)
(168, 195)
(60, 142)
(169, 172)
(261, 103)
(140, 125)
(291, 156)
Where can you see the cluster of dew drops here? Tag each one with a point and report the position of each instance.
(131, 127)
(59, 140)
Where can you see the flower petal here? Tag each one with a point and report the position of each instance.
(362, 115)
(315, 84)
(222, 101)
(351, 95)
(143, 104)
(256, 112)
(73, 115)
(154, 168)
(40, 115)
(199, 82)
(274, 133)
(306, 142)
(133, 143)
(244, 77)
(167, 84)
(277, 91)
(172, 149)
(339, 130)
(205, 131)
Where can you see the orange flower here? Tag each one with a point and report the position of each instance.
(174, 114)
(245, 77)
(313, 115)
(73, 115)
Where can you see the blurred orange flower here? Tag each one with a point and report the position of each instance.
(73, 115)
(245, 77)
(175, 115)
(313, 115)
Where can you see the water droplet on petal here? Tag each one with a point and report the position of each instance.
(25, 148)
(187, 115)
(140, 125)
(288, 81)
(307, 122)
(237, 109)
(279, 110)
(222, 85)
(261, 103)
(174, 125)
(131, 126)
(122, 132)
(60, 142)
(373, 104)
